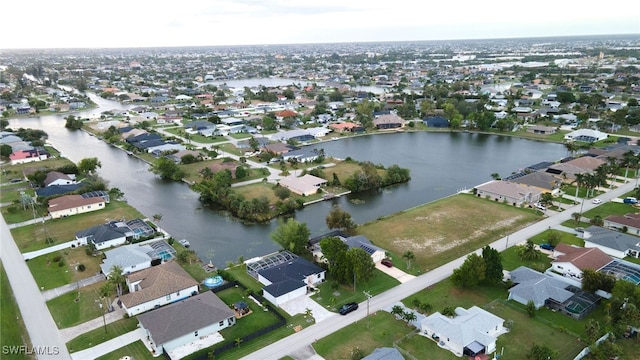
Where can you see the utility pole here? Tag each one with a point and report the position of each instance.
(366, 293)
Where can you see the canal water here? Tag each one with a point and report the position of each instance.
(441, 164)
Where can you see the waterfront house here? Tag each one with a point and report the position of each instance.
(68, 205)
(57, 190)
(157, 286)
(470, 332)
(104, 236)
(541, 130)
(58, 178)
(29, 155)
(510, 192)
(136, 257)
(388, 121)
(305, 185)
(586, 135)
(358, 241)
(544, 181)
(436, 122)
(186, 321)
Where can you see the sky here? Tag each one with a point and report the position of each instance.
(147, 23)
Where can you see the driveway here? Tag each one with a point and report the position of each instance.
(394, 272)
(301, 304)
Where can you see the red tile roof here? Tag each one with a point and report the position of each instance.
(582, 258)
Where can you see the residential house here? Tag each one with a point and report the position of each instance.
(541, 130)
(104, 236)
(570, 260)
(58, 178)
(543, 181)
(217, 167)
(436, 122)
(586, 135)
(318, 132)
(299, 135)
(68, 205)
(136, 257)
(628, 223)
(568, 170)
(26, 156)
(344, 127)
(509, 192)
(303, 155)
(388, 121)
(305, 185)
(57, 190)
(277, 148)
(359, 241)
(612, 242)
(183, 322)
(385, 353)
(157, 286)
(471, 332)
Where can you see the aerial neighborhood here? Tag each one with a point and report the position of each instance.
(539, 262)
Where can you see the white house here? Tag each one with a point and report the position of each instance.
(631, 221)
(612, 242)
(358, 241)
(136, 257)
(509, 192)
(586, 135)
(183, 322)
(572, 260)
(105, 236)
(58, 178)
(289, 280)
(470, 332)
(305, 185)
(68, 205)
(157, 286)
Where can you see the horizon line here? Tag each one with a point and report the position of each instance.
(317, 43)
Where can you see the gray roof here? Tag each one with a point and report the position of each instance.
(184, 317)
(296, 269)
(284, 287)
(541, 180)
(468, 326)
(612, 239)
(538, 287)
(126, 256)
(361, 241)
(384, 354)
(105, 232)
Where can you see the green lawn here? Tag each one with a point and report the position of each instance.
(11, 193)
(240, 274)
(50, 274)
(12, 329)
(433, 231)
(610, 208)
(67, 312)
(136, 351)
(332, 295)
(16, 213)
(194, 269)
(195, 137)
(32, 237)
(381, 330)
(98, 336)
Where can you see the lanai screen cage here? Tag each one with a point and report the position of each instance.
(269, 261)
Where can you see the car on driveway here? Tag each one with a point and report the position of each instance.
(387, 262)
(547, 246)
(597, 201)
(579, 230)
(347, 308)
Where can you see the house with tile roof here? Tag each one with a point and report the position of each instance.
(304, 185)
(471, 332)
(586, 135)
(570, 260)
(185, 321)
(612, 242)
(344, 127)
(544, 181)
(510, 192)
(630, 221)
(26, 156)
(388, 121)
(157, 286)
(537, 287)
(289, 280)
(68, 205)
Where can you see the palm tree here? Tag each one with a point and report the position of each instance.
(612, 164)
(105, 293)
(238, 341)
(117, 278)
(409, 316)
(409, 256)
(580, 181)
(397, 311)
(528, 251)
(629, 158)
(157, 218)
(495, 176)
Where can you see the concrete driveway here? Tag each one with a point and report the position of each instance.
(394, 272)
(301, 304)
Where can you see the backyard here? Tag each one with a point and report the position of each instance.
(63, 267)
(434, 234)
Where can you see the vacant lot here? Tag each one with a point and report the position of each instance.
(59, 268)
(444, 230)
(32, 237)
(12, 330)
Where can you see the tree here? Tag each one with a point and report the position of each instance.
(115, 193)
(116, 277)
(157, 218)
(340, 219)
(241, 172)
(333, 249)
(493, 264)
(409, 316)
(531, 308)
(254, 144)
(397, 311)
(73, 123)
(576, 216)
(593, 281)
(553, 238)
(541, 352)
(281, 192)
(5, 150)
(592, 330)
(528, 251)
(495, 176)
(546, 199)
(88, 166)
(470, 273)
(4, 123)
(167, 169)
(361, 265)
(291, 235)
(409, 256)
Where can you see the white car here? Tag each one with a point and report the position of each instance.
(541, 207)
(597, 201)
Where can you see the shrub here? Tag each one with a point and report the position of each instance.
(61, 263)
(56, 258)
(81, 267)
(12, 209)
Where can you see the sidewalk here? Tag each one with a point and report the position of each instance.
(73, 332)
(29, 222)
(54, 293)
(49, 250)
(109, 346)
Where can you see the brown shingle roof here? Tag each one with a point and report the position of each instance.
(72, 201)
(582, 258)
(156, 282)
(630, 220)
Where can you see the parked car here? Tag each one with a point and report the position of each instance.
(597, 201)
(387, 262)
(541, 207)
(546, 246)
(347, 308)
(630, 200)
(579, 229)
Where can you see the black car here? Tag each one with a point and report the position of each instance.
(347, 308)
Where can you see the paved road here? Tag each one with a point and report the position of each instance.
(295, 343)
(40, 325)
